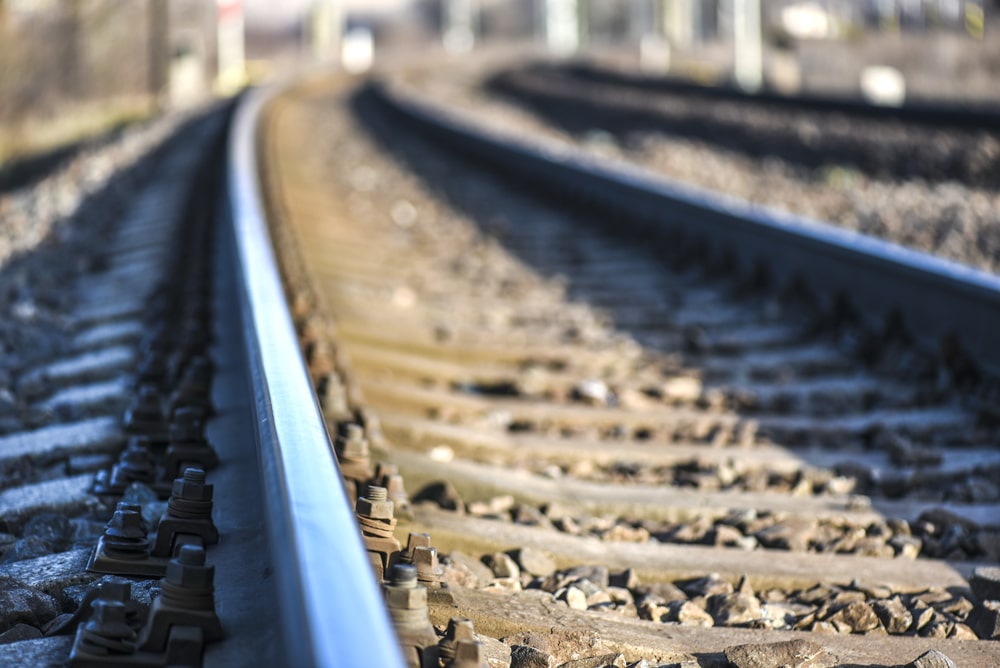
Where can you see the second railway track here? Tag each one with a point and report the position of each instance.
(612, 445)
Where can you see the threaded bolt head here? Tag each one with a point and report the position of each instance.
(417, 539)
(354, 444)
(404, 576)
(375, 505)
(116, 589)
(425, 558)
(109, 620)
(188, 568)
(468, 653)
(192, 555)
(460, 628)
(192, 487)
(125, 524)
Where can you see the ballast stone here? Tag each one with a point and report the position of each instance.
(792, 653)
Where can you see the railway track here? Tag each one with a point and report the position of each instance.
(152, 513)
(616, 453)
(631, 438)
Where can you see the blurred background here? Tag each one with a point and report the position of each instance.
(71, 67)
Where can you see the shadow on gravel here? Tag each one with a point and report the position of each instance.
(435, 166)
(586, 105)
(35, 292)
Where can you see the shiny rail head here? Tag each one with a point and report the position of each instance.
(318, 555)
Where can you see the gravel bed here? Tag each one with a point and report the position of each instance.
(937, 534)
(30, 214)
(54, 238)
(50, 233)
(977, 486)
(714, 601)
(396, 206)
(933, 190)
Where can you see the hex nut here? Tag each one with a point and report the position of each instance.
(425, 558)
(190, 575)
(415, 540)
(192, 491)
(406, 598)
(126, 524)
(460, 628)
(376, 510)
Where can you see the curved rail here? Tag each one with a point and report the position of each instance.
(962, 114)
(937, 300)
(330, 616)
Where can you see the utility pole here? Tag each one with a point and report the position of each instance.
(748, 49)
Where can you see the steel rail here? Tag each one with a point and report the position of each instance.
(939, 301)
(331, 611)
(967, 114)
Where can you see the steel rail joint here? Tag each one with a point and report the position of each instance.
(937, 299)
(331, 610)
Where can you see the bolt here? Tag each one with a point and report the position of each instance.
(187, 593)
(407, 603)
(192, 487)
(375, 506)
(468, 654)
(124, 506)
(334, 399)
(413, 541)
(125, 535)
(125, 524)
(459, 629)
(403, 575)
(186, 425)
(109, 622)
(192, 555)
(145, 414)
(425, 558)
(189, 511)
(188, 570)
(135, 463)
(354, 445)
(429, 572)
(403, 593)
(387, 475)
(194, 388)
